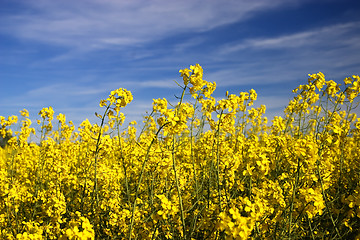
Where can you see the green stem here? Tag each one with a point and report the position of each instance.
(218, 162)
(175, 171)
(140, 179)
(97, 150)
(293, 197)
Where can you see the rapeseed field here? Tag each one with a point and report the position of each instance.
(197, 169)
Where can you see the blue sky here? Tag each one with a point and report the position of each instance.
(70, 54)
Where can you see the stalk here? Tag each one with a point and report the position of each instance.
(140, 179)
(217, 162)
(175, 172)
(97, 150)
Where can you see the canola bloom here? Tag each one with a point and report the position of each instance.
(200, 168)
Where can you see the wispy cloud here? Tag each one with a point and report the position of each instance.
(73, 53)
(68, 96)
(334, 34)
(331, 49)
(97, 24)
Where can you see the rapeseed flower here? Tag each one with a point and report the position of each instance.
(201, 169)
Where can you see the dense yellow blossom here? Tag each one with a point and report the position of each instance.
(201, 168)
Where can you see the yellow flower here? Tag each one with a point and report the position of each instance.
(253, 95)
(61, 117)
(185, 74)
(103, 103)
(24, 113)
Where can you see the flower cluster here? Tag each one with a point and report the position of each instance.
(202, 168)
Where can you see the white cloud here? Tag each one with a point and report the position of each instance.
(81, 26)
(333, 34)
(98, 24)
(64, 90)
(157, 84)
(331, 49)
(77, 97)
